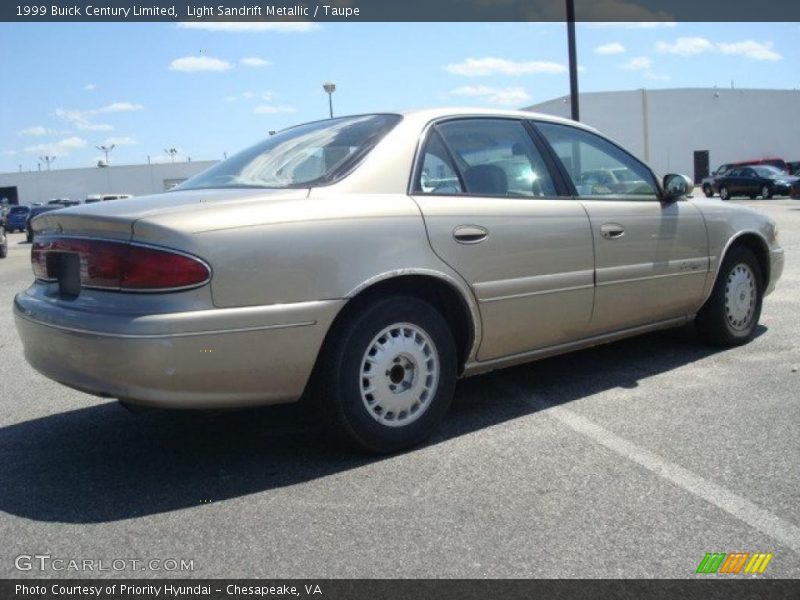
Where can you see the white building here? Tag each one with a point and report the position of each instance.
(76, 184)
(666, 127)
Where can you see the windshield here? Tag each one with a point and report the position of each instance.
(767, 171)
(18, 209)
(303, 156)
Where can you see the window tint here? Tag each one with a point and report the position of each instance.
(496, 157)
(597, 167)
(439, 175)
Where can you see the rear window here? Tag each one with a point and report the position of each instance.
(303, 156)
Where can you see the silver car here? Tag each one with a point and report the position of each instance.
(369, 261)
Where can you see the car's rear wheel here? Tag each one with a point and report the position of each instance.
(730, 315)
(766, 192)
(387, 375)
(708, 191)
(724, 193)
(753, 196)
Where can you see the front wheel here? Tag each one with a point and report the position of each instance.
(724, 193)
(766, 192)
(388, 374)
(730, 315)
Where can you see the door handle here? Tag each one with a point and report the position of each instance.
(470, 234)
(612, 231)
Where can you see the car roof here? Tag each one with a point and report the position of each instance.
(432, 114)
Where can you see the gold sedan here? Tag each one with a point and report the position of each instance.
(369, 261)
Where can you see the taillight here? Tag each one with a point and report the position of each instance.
(119, 265)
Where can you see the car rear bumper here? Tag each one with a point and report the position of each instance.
(197, 359)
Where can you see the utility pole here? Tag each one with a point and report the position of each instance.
(573, 61)
(46, 160)
(329, 88)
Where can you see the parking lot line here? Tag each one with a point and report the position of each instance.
(722, 498)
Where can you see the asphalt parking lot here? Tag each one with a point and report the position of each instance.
(628, 460)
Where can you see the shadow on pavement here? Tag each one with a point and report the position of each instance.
(102, 463)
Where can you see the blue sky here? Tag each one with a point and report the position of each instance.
(212, 88)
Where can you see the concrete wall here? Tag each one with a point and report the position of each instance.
(665, 127)
(76, 184)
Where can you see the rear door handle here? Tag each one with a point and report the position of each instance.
(612, 231)
(470, 234)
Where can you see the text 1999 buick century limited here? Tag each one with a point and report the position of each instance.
(371, 260)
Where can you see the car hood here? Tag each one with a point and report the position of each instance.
(116, 219)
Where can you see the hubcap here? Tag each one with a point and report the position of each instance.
(764, 192)
(740, 297)
(399, 374)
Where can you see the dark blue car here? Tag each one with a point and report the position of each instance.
(16, 218)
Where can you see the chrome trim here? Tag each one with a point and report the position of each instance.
(536, 285)
(152, 336)
(477, 367)
(140, 245)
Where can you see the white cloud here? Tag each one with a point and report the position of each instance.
(82, 119)
(37, 130)
(656, 76)
(639, 63)
(231, 98)
(691, 46)
(473, 67)
(267, 109)
(254, 61)
(504, 96)
(59, 148)
(119, 107)
(750, 49)
(251, 27)
(119, 141)
(90, 87)
(685, 46)
(611, 48)
(192, 64)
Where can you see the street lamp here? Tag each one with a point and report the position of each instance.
(105, 150)
(329, 88)
(47, 160)
(172, 152)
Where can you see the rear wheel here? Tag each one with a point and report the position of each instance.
(387, 375)
(730, 315)
(724, 193)
(708, 191)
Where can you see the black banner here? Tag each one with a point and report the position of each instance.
(376, 589)
(397, 10)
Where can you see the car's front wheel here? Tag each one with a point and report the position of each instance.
(388, 374)
(730, 315)
(766, 192)
(724, 193)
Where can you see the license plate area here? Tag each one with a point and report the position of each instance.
(66, 268)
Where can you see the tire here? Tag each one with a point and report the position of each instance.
(724, 193)
(412, 370)
(708, 191)
(29, 236)
(766, 192)
(753, 196)
(730, 315)
(3, 249)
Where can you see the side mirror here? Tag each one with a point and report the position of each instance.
(676, 186)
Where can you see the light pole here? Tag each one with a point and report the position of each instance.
(329, 88)
(573, 60)
(172, 152)
(47, 160)
(105, 150)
